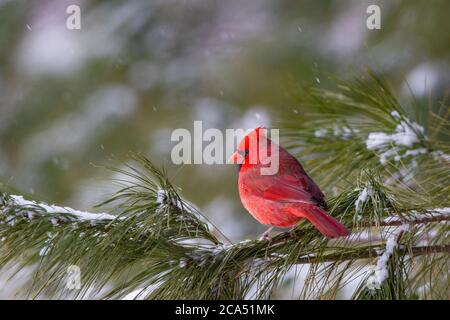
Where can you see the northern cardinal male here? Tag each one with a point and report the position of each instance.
(284, 198)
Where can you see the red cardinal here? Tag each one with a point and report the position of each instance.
(284, 198)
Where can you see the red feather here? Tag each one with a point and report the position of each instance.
(284, 198)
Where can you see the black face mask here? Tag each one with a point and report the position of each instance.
(243, 154)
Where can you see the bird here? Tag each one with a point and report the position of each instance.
(284, 198)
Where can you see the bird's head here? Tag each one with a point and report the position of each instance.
(252, 148)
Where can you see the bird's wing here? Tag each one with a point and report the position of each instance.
(296, 176)
(316, 194)
(282, 188)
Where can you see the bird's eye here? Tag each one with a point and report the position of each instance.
(244, 153)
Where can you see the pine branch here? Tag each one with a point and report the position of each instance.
(429, 216)
(374, 253)
(57, 214)
(54, 212)
(432, 215)
(154, 240)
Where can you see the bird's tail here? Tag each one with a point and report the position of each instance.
(326, 224)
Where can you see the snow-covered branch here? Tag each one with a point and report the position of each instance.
(431, 215)
(404, 142)
(14, 206)
(372, 253)
(392, 243)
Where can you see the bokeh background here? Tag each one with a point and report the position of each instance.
(71, 100)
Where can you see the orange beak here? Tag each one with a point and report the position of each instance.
(236, 158)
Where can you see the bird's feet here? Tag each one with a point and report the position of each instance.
(293, 233)
(266, 235)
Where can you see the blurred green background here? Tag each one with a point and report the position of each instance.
(139, 69)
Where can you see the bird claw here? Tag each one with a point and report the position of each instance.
(293, 233)
(266, 235)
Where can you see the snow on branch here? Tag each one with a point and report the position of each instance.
(17, 205)
(14, 206)
(431, 215)
(442, 155)
(371, 253)
(362, 198)
(404, 142)
(381, 269)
